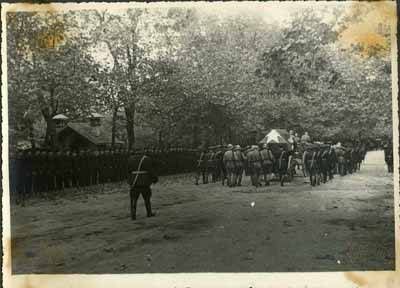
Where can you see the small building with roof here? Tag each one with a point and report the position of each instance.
(90, 134)
(60, 120)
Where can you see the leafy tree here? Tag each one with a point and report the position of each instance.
(48, 69)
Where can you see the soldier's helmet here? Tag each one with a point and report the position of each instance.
(254, 147)
(237, 147)
(229, 147)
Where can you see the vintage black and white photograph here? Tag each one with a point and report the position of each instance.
(212, 137)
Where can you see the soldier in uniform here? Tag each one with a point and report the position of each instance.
(95, 167)
(36, 173)
(27, 174)
(341, 160)
(292, 141)
(108, 165)
(44, 171)
(67, 158)
(100, 167)
(255, 165)
(20, 177)
(332, 160)
(58, 165)
(388, 152)
(220, 168)
(239, 165)
(229, 164)
(75, 169)
(51, 171)
(141, 174)
(324, 162)
(202, 167)
(211, 164)
(267, 160)
(305, 138)
(12, 160)
(80, 167)
(282, 164)
(124, 168)
(118, 164)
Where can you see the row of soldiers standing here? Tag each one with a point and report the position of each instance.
(34, 172)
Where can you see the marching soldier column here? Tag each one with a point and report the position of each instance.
(320, 161)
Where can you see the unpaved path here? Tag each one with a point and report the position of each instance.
(346, 224)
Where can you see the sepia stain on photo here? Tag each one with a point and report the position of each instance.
(201, 138)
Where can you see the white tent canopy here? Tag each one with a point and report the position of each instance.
(276, 136)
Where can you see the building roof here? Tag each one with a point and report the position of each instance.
(98, 135)
(60, 117)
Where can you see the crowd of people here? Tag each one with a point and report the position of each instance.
(267, 161)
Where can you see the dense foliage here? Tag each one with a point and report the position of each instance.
(197, 78)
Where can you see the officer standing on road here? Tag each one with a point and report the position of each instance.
(201, 167)
(229, 164)
(254, 160)
(141, 174)
(267, 160)
(239, 165)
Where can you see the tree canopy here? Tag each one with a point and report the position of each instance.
(194, 78)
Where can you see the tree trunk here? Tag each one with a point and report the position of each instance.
(130, 124)
(50, 138)
(195, 139)
(114, 126)
(160, 139)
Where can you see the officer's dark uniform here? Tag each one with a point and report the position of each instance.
(141, 174)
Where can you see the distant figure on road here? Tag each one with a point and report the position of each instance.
(306, 138)
(141, 174)
(388, 150)
(229, 163)
(239, 165)
(255, 163)
(202, 167)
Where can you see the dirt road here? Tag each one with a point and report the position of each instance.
(346, 224)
